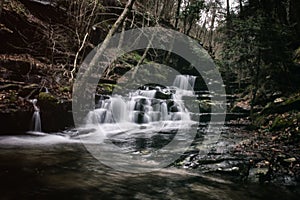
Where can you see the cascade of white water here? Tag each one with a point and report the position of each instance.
(185, 82)
(36, 118)
(145, 106)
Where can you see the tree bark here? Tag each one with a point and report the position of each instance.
(1, 6)
(255, 84)
(212, 25)
(288, 12)
(191, 23)
(112, 31)
(177, 13)
(203, 28)
(228, 8)
(241, 7)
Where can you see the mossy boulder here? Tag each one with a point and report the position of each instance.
(291, 103)
(281, 123)
(47, 102)
(47, 97)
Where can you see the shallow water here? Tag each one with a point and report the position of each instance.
(65, 170)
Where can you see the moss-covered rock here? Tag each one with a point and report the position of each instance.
(281, 122)
(47, 102)
(65, 89)
(47, 97)
(289, 104)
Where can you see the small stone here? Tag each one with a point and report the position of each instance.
(278, 100)
(290, 160)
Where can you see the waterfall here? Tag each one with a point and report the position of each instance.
(145, 105)
(36, 118)
(185, 82)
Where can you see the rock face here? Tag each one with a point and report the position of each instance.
(27, 70)
(15, 123)
(54, 117)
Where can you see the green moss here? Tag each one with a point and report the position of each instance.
(281, 123)
(259, 120)
(13, 97)
(65, 89)
(17, 7)
(136, 56)
(292, 100)
(47, 97)
(107, 87)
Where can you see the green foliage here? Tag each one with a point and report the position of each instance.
(191, 14)
(257, 46)
(65, 89)
(107, 87)
(193, 9)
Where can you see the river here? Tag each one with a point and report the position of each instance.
(69, 171)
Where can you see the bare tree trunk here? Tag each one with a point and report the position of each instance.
(179, 2)
(157, 8)
(288, 12)
(185, 20)
(228, 9)
(212, 25)
(112, 31)
(241, 7)
(162, 13)
(255, 85)
(203, 28)
(191, 23)
(1, 6)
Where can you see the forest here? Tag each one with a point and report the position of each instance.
(254, 45)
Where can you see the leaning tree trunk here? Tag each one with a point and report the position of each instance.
(111, 32)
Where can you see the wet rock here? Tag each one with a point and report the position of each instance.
(285, 180)
(174, 108)
(290, 160)
(258, 175)
(120, 70)
(47, 101)
(163, 95)
(15, 122)
(204, 106)
(238, 109)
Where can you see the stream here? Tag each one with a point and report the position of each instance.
(67, 171)
(63, 165)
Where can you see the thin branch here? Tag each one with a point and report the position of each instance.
(77, 54)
